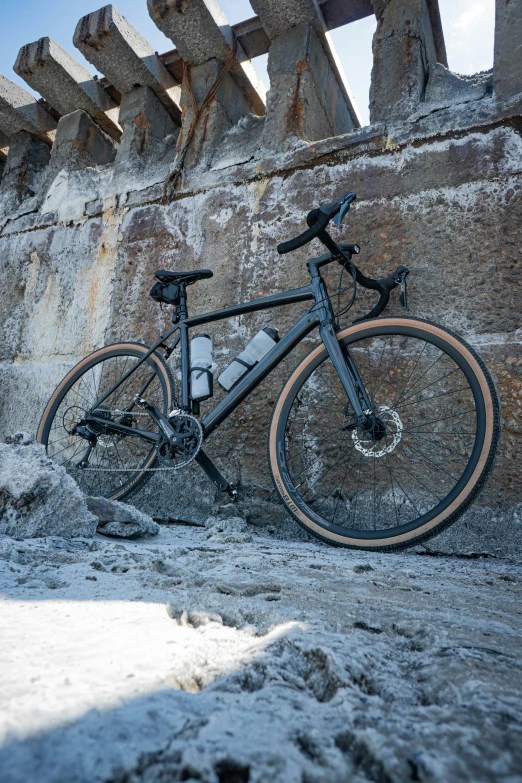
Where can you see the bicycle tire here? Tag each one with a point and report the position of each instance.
(117, 350)
(483, 386)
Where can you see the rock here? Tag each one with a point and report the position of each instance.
(38, 497)
(121, 519)
(228, 531)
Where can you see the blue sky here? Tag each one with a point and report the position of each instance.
(468, 29)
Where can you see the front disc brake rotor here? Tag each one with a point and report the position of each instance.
(393, 424)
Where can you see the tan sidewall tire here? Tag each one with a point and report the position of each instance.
(438, 521)
(94, 357)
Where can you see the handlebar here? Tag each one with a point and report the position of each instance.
(318, 220)
(307, 236)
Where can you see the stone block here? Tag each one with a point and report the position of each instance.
(80, 143)
(404, 50)
(201, 32)
(19, 111)
(305, 100)
(66, 84)
(507, 71)
(145, 121)
(26, 162)
(124, 56)
(37, 496)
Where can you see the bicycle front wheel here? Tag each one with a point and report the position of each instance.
(117, 464)
(438, 426)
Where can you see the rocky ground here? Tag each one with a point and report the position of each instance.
(213, 655)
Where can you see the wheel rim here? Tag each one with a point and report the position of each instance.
(115, 463)
(364, 497)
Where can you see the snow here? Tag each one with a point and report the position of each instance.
(216, 655)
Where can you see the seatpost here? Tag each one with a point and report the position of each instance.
(183, 312)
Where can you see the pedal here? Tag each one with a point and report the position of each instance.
(232, 493)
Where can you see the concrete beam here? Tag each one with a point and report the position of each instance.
(20, 112)
(66, 84)
(404, 53)
(254, 40)
(507, 69)
(337, 13)
(201, 33)
(126, 58)
(281, 16)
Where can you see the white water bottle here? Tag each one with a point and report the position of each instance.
(253, 352)
(201, 377)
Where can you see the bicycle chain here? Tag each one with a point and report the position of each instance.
(128, 470)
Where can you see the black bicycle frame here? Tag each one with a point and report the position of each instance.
(320, 315)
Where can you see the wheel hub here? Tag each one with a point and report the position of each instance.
(375, 442)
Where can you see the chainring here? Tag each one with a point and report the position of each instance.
(188, 440)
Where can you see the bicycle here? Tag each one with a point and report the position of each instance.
(381, 438)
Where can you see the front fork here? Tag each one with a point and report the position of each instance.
(348, 373)
(342, 360)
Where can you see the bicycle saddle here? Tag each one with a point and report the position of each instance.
(164, 276)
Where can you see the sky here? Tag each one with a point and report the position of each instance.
(468, 29)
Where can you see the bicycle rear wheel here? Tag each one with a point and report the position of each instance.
(439, 426)
(117, 465)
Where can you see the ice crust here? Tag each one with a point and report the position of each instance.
(192, 658)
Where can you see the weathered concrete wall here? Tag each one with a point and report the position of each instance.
(440, 191)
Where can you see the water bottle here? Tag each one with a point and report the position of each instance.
(258, 347)
(201, 377)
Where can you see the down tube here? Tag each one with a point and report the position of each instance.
(307, 323)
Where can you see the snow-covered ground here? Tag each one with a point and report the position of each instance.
(222, 657)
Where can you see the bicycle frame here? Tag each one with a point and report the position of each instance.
(319, 316)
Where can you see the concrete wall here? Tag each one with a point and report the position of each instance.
(439, 190)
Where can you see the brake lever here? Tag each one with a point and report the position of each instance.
(400, 278)
(345, 206)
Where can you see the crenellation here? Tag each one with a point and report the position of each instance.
(305, 100)
(146, 123)
(404, 51)
(80, 143)
(24, 170)
(507, 76)
(207, 44)
(125, 57)
(278, 19)
(66, 84)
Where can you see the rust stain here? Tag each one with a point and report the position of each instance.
(301, 67)
(141, 121)
(93, 297)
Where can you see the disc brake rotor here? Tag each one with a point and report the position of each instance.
(393, 424)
